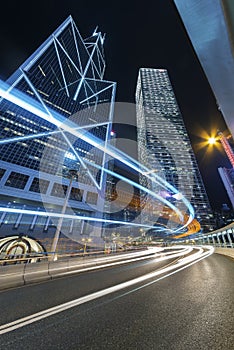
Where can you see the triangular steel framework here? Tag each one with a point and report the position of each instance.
(65, 75)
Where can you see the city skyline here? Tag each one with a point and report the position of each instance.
(162, 43)
(113, 154)
(56, 129)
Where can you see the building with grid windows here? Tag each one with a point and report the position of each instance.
(64, 80)
(210, 27)
(164, 145)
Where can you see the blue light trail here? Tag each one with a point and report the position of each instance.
(76, 217)
(65, 125)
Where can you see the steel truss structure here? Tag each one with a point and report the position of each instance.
(65, 75)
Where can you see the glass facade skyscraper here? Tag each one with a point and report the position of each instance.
(64, 78)
(163, 142)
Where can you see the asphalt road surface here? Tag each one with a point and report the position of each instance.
(191, 309)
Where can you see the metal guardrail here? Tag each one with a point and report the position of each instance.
(222, 237)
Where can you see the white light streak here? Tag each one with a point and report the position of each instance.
(67, 125)
(9, 327)
(73, 217)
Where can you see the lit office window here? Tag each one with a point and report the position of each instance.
(59, 190)
(76, 194)
(92, 198)
(17, 180)
(39, 185)
(2, 172)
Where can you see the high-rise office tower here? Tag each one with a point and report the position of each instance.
(63, 78)
(164, 145)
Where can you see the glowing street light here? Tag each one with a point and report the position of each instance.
(212, 140)
(85, 241)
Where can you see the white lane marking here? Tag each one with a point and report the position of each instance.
(59, 308)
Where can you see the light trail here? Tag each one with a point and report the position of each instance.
(152, 175)
(168, 271)
(29, 137)
(67, 125)
(158, 257)
(140, 187)
(74, 217)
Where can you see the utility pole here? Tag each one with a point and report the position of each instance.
(73, 174)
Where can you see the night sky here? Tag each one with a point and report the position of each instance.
(138, 34)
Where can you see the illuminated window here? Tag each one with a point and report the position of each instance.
(39, 186)
(17, 180)
(92, 198)
(2, 172)
(76, 194)
(59, 190)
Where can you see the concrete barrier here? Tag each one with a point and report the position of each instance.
(76, 263)
(225, 251)
(36, 272)
(11, 276)
(57, 268)
(21, 274)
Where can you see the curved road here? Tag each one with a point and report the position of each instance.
(190, 309)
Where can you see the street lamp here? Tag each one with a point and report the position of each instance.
(73, 174)
(212, 140)
(86, 240)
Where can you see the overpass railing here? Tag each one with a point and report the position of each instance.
(220, 238)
